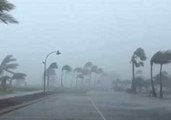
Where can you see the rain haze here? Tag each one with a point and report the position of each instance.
(85, 60)
(102, 31)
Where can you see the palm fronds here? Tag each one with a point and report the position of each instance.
(66, 68)
(5, 7)
(19, 76)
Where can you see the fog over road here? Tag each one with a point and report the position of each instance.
(106, 105)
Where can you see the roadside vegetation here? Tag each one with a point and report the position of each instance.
(9, 78)
(5, 8)
(154, 86)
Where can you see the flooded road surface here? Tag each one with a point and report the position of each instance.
(107, 105)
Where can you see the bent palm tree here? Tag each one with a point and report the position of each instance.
(100, 72)
(65, 68)
(137, 60)
(19, 77)
(7, 65)
(153, 59)
(4, 80)
(162, 58)
(94, 70)
(5, 7)
(51, 71)
(88, 65)
(87, 71)
(78, 70)
(80, 76)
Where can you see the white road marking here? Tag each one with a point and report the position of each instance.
(97, 109)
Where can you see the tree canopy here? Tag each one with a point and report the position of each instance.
(5, 7)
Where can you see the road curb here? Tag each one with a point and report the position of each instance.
(16, 107)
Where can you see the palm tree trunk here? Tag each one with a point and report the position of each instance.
(90, 80)
(48, 81)
(152, 83)
(4, 84)
(10, 83)
(161, 85)
(95, 78)
(76, 82)
(72, 79)
(133, 78)
(62, 78)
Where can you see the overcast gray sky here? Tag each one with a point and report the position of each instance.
(105, 32)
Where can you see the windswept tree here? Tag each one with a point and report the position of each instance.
(19, 78)
(100, 73)
(51, 71)
(4, 80)
(6, 7)
(81, 77)
(87, 71)
(137, 60)
(166, 80)
(7, 65)
(153, 59)
(78, 71)
(94, 70)
(161, 58)
(66, 68)
(7, 73)
(88, 65)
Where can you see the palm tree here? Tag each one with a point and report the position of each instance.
(7, 65)
(5, 7)
(137, 60)
(78, 70)
(19, 77)
(154, 57)
(51, 71)
(94, 70)
(66, 68)
(80, 76)
(100, 72)
(161, 58)
(4, 80)
(88, 65)
(87, 71)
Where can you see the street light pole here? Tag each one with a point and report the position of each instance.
(45, 71)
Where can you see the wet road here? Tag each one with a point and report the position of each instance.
(94, 106)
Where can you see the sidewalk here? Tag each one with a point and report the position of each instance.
(19, 94)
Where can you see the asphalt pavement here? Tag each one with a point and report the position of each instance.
(102, 105)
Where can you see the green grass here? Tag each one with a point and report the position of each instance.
(26, 89)
(19, 89)
(6, 92)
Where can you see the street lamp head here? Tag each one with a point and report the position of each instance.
(58, 53)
